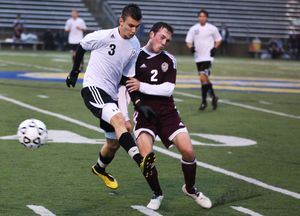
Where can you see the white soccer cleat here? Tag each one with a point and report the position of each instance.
(199, 197)
(155, 202)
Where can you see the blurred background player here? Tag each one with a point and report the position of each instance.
(155, 80)
(18, 28)
(113, 57)
(203, 39)
(76, 27)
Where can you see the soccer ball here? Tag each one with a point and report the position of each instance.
(32, 133)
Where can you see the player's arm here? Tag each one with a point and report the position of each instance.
(73, 75)
(136, 100)
(189, 39)
(165, 89)
(218, 40)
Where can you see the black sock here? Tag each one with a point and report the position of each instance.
(204, 89)
(154, 183)
(103, 162)
(189, 173)
(211, 90)
(127, 142)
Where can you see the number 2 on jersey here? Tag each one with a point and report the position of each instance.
(154, 74)
(112, 49)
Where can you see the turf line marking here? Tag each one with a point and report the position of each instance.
(145, 210)
(32, 66)
(161, 150)
(230, 173)
(246, 211)
(40, 210)
(243, 106)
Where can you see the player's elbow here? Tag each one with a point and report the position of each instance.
(170, 89)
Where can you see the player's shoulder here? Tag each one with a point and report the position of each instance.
(211, 26)
(171, 58)
(195, 26)
(135, 42)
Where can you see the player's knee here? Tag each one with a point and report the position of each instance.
(188, 155)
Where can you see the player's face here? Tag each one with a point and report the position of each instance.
(128, 27)
(74, 14)
(202, 18)
(160, 40)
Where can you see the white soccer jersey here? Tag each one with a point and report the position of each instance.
(112, 56)
(203, 38)
(75, 35)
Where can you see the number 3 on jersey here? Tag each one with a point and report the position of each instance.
(112, 49)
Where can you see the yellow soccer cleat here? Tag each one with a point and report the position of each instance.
(147, 164)
(107, 179)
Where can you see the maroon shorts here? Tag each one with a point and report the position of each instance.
(166, 125)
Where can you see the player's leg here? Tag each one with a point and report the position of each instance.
(203, 77)
(206, 85)
(183, 143)
(145, 145)
(106, 156)
(112, 114)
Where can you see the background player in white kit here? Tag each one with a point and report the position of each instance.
(155, 79)
(113, 56)
(203, 39)
(75, 26)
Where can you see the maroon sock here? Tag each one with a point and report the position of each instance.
(189, 173)
(154, 183)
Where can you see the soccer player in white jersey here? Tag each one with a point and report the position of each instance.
(75, 26)
(155, 79)
(112, 61)
(203, 39)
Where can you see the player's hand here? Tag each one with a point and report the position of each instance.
(72, 78)
(145, 111)
(132, 84)
(213, 52)
(192, 50)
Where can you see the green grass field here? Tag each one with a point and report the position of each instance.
(58, 177)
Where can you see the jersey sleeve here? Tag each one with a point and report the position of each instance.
(92, 41)
(170, 75)
(217, 36)
(68, 25)
(83, 24)
(190, 36)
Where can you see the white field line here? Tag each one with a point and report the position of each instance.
(40, 210)
(32, 66)
(161, 150)
(243, 106)
(145, 210)
(246, 211)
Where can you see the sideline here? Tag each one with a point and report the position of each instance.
(161, 150)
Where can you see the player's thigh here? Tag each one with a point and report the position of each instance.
(145, 143)
(170, 125)
(183, 143)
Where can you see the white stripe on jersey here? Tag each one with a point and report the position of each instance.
(96, 95)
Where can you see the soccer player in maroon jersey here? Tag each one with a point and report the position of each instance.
(155, 80)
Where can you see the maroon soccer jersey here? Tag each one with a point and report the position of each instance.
(155, 70)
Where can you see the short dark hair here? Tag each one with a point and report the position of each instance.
(157, 26)
(132, 10)
(203, 11)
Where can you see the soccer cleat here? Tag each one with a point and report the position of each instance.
(199, 197)
(108, 179)
(214, 102)
(155, 202)
(203, 106)
(147, 164)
